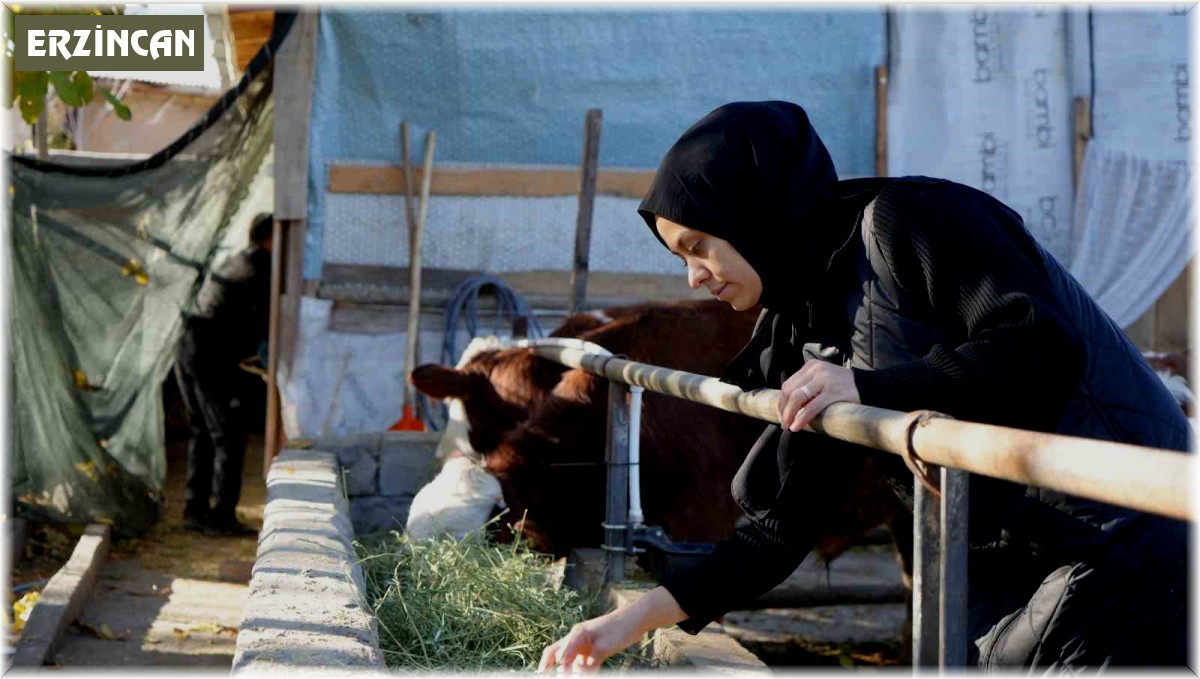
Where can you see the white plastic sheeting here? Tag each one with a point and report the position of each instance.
(981, 96)
(1131, 231)
(346, 383)
(1142, 96)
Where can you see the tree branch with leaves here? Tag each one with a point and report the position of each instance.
(29, 89)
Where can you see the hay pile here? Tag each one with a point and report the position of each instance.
(470, 605)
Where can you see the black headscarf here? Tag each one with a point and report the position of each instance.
(757, 175)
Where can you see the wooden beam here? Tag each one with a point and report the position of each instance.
(63, 598)
(271, 428)
(293, 288)
(294, 70)
(1172, 315)
(295, 66)
(250, 29)
(1082, 108)
(881, 104)
(394, 280)
(505, 181)
(593, 121)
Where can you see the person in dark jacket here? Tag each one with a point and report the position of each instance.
(229, 325)
(910, 293)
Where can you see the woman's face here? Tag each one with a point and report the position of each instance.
(713, 263)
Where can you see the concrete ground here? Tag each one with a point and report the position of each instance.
(172, 598)
(848, 635)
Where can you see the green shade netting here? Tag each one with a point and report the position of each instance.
(102, 268)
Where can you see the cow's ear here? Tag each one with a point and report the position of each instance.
(439, 381)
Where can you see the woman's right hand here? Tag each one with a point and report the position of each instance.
(590, 643)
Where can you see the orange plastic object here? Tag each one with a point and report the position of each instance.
(408, 421)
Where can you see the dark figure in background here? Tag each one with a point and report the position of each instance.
(911, 293)
(230, 324)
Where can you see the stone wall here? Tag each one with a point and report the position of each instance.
(307, 609)
(381, 473)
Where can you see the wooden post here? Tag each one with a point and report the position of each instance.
(592, 124)
(414, 269)
(41, 133)
(1082, 107)
(881, 104)
(616, 515)
(293, 288)
(295, 66)
(271, 446)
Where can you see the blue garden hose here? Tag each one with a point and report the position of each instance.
(464, 307)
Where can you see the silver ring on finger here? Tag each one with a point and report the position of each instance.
(807, 393)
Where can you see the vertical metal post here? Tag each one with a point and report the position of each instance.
(616, 532)
(926, 577)
(953, 594)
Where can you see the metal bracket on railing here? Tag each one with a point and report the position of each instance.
(919, 468)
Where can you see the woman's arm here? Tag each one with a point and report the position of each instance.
(739, 570)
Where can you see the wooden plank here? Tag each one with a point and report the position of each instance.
(64, 597)
(1172, 315)
(293, 288)
(276, 310)
(251, 30)
(592, 124)
(881, 104)
(294, 68)
(542, 289)
(1082, 107)
(492, 181)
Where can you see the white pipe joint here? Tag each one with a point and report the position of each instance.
(635, 448)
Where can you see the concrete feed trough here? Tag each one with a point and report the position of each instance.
(307, 609)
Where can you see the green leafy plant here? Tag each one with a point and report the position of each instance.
(28, 89)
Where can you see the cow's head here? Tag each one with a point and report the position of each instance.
(530, 422)
(495, 391)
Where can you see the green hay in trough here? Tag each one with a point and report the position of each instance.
(471, 605)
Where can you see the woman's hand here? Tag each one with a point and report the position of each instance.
(589, 643)
(804, 395)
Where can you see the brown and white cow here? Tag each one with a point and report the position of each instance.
(539, 429)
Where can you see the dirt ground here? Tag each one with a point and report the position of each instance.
(194, 584)
(167, 547)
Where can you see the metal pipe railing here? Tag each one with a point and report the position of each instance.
(1143, 478)
(1138, 477)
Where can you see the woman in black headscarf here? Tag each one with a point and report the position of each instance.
(910, 293)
